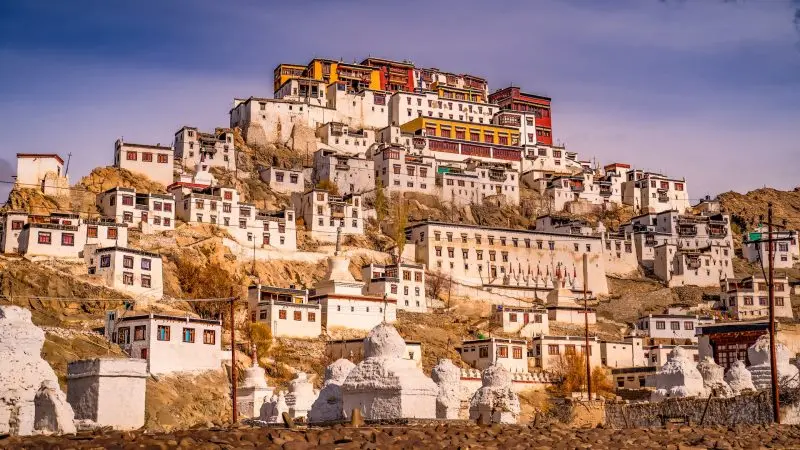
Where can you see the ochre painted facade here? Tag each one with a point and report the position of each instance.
(464, 131)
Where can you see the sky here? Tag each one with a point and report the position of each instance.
(708, 90)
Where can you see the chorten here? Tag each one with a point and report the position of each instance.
(496, 401)
(679, 377)
(301, 396)
(739, 378)
(254, 391)
(758, 355)
(328, 405)
(338, 279)
(385, 385)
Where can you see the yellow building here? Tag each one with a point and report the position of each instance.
(286, 72)
(463, 131)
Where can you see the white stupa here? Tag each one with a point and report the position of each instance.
(338, 279)
(739, 378)
(713, 377)
(253, 392)
(679, 377)
(272, 411)
(496, 401)
(301, 396)
(385, 385)
(758, 355)
(447, 376)
(562, 305)
(328, 405)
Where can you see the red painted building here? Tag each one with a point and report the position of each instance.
(512, 99)
(395, 76)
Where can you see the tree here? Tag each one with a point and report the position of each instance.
(571, 368)
(328, 185)
(400, 222)
(261, 337)
(381, 204)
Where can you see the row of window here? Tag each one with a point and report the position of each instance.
(763, 301)
(449, 105)
(293, 178)
(127, 200)
(146, 157)
(127, 280)
(332, 222)
(68, 239)
(437, 236)
(123, 334)
(393, 290)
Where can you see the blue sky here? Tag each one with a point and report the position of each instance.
(703, 89)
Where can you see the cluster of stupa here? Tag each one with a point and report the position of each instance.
(383, 386)
(558, 277)
(681, 377)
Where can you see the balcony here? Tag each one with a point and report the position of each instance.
(605, 192)
(687, 231)
(498, 176)
(579, 188)
(717, 232)
(342, 166)
(663, 198)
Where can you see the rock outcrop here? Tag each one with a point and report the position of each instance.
(385, 385)
(739, 378)
(495, 401)
(30, 400)
(758, 355)
(447, 376)
(713, 377)
(679, 377)
(328, 405)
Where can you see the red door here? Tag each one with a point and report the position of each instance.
(144, 217)
(144, 353)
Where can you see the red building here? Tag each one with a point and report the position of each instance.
(395, 76)
(512, 99)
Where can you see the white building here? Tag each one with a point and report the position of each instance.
(475, 182)
(63, 235)
(406, 106)
(11, 224)
(509, 353)
(525, 320)
(150, 212)
(248, 225)
(350, 174)
(748, 298)
(168, 343)
(544, 162)
(784, 251)
(672, 326)
(155, 162)
(323, 214)
(507, 259)
(353, 350)
(401, 170)
(287, 312)
(626, 353)
(44, 172)
(402, 282)
(653, 192)
(133, 271)
(588, 187)
(285, 181)
(342, 300)
(549, 351)
(338, 138)
(205, 150)
(56, 240)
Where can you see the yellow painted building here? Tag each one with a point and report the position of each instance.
(286, 72)
(450, 92)
(464, 131)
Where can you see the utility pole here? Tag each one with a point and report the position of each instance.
(773, 365)
(233, 361)
(586, 326)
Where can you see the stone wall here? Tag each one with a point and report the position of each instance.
(749, 409)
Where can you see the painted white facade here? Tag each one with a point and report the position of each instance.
(194, 148)
(63, 235)
(135, 272)
(477, 182)
(108, 392)
(748, 298)
(784, 252)
(512, 354)
(548, 351)
(652, 192)
(168, 343)
(150, 212)
(672, 326)
(403, 282)
(543, 162)
(338, 138)
(323, 214)
(401, 170)
(155, 162)
(504, 258)
(44, 172)
(287, 312)
(626, 353)
(350, 174)
(406, 106)
(11, 224)
(527, 321)
(285, 181)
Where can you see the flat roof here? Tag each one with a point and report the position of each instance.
(128, 250)
(40, 155)
(499, 229)
(169, 317)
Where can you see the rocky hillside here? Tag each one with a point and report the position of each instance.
(747, 209)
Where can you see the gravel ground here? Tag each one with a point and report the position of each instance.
(457, 435)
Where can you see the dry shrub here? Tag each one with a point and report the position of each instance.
(200, 281)
(571, 369)
(260, 336)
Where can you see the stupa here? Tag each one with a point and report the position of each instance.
(495, 401)
(385, 385)
(328, 405)
(253, 392)
(301, 396)
(272, 411)
(758, 355)
(739, 378)
(679, 377)
(447, 376)
(713, 377)
(561, 304)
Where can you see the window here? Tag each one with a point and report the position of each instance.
(68, 239)
(688, 325)
(127, 200)
(282, 314)
(105, 260)
(552, 349)
(209, 337)
(16, 224)
(130, 156)
(139, 332)
(675, 326)
(127, 262)
(162, 333)
(661, 325)
(188, 335)
(147, 157)
(127, 278)
(778, 301)
(393, 289)
(312, 317)
(569, 349)
(44, 237)
(146, 281)
(162, 159)
(502, 351)
(517, 352)
(483, 352)
(124, 335)
(111, 233)
(127, 217)
(512, 317)
(298, 315)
